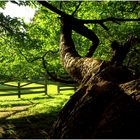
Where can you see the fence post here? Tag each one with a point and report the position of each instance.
(58, 89)
(75, 88)
(18, 89)
(45, 85)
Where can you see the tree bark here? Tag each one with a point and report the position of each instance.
(103, 106)
(101, 109)
(78, 67)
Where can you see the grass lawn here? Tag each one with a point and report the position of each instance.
(32, 115)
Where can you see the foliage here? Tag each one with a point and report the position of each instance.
(22, 43)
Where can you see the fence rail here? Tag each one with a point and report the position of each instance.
(66, 87)
(20, 89)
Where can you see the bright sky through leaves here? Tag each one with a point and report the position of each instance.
(14, 10)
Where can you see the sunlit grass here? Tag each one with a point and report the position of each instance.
(38, 111)
(36, 102)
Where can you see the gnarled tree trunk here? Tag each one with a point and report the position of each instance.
(106, 105)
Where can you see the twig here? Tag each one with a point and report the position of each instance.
(55, 77)
(76, 8)
(36, 58)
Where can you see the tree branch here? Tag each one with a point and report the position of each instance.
(52, 8)
(54, 77)
(27, 59)
(76, 8)
(113, 19)
(78, 25)
(100, 21)
(36, 58)
(70, 17)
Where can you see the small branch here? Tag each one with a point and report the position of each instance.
(120, 51)
(55, 77)
(14, 2)
(102, 24)
(113, 19)
(76, 8)
(60, 6)
(6, 28)
(52, 8)
(27, 59)
(36, 58)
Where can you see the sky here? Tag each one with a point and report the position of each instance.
(18, 11)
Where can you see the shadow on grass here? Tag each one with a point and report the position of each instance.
(39, 98)
(32, 127)
(17, 103)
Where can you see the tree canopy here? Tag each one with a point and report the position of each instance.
(23, 44)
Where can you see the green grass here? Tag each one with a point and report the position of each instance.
(31, 116)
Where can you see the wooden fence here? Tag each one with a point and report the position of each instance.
(63, 87)
(20, 89)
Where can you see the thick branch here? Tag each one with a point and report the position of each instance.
(81, 29)
(52, 8)
(120, 52)
(113, 19)
(100, 21)
(63, 14)
(78, 25)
